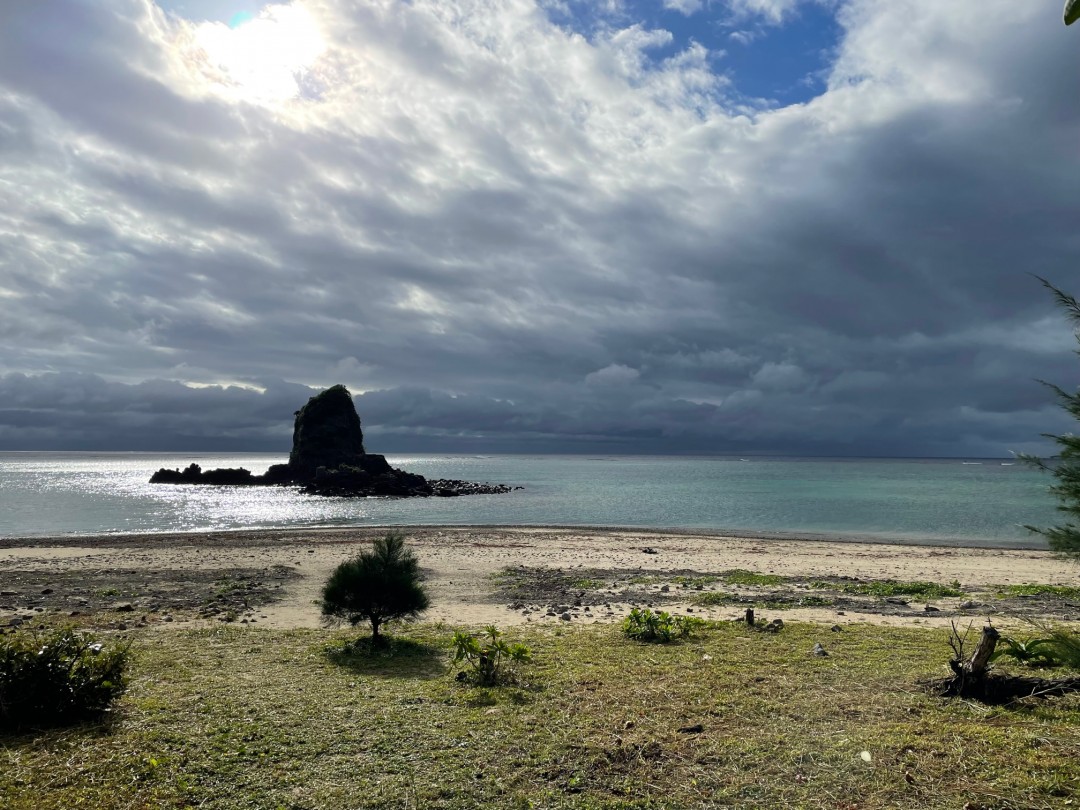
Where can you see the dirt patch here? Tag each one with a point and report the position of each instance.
(231, 592)
(560, 589)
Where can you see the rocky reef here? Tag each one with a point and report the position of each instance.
(328, 458)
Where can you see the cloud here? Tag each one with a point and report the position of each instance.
(687, 7)
(773, 11)
(474, 216)
(615, 374)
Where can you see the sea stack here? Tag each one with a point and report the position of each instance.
(328, 458)
(326, 433)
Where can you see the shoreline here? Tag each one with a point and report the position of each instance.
(125, 538)
(514, 575)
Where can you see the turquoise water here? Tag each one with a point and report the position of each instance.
(907, 500)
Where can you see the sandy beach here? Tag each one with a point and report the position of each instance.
(511, 575)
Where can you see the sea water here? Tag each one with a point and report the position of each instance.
(952, 501)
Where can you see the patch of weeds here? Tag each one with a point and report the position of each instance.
(659, 626)
(815, 601)
(740, 576)
(694, 582)
(793, 602)
(715, 599)
(889, 587)
(489, 656)
(1033, 589)
(1059, 647)
(588, 584)
(1035, 652)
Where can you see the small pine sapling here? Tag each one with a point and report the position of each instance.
(376, 586)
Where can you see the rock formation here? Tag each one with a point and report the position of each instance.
(328, 458)
(327, 433)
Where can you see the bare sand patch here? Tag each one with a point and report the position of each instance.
(285, 570)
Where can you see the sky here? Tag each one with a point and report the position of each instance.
(800, 227)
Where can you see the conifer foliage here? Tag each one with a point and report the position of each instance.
(376, 586)
(1066, 466)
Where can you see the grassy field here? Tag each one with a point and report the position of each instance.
(245, 718)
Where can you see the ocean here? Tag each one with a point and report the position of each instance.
(978, 502)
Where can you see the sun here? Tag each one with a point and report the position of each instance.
(262, 58)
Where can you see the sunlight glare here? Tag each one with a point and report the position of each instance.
(263, 58)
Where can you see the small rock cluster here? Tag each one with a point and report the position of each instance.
(564, 612)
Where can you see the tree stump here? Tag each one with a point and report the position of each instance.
(980, 659)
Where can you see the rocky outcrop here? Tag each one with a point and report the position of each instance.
(328, 458)
(193, 474)
(327, 434)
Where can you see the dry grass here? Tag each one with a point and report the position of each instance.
(246, 718)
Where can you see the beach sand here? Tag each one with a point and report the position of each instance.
(603, 571)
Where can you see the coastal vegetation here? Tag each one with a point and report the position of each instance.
(230, 718)
(888, 587)
(658, 626)
(58, 677)
(488, 655)
(376, 586)
(1065, 468)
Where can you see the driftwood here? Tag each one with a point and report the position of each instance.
(976, 667)
(973, 678)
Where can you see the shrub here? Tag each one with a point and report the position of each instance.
(1060, 647)
(57, 678)
(660, 626)
(488, 655)
(377, 586)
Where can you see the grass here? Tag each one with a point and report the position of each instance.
(235, 718)
(883, 588)
(1032, 589)
(697, 582)
(715, 599)
(741, 577)
(590, 584)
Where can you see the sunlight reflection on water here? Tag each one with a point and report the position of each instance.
(906, 500)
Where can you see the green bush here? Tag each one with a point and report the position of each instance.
(659, 626)
(488, 655)
(1060, 647)
(376, 586)
(49, 679)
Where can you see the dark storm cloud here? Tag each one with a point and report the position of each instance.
(502, 235)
